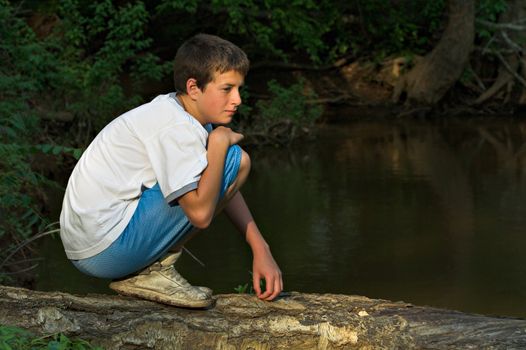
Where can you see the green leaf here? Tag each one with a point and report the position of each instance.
(57, 150)
(46, 148)
(77, 152)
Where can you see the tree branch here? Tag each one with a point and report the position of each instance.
(26, 242)
(300, 66)
(511, 70)
(511, 43)
(509, 26)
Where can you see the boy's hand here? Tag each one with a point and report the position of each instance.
(265, 267)
(226, 134)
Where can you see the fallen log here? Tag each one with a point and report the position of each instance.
(240, 321)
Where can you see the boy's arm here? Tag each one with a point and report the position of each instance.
(264, 266)
(200, 205)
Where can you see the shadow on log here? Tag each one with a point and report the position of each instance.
(238, 321)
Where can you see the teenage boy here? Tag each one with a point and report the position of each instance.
(160, 172)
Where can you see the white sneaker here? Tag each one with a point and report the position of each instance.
(160, 282)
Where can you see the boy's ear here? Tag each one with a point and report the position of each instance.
(191, 88)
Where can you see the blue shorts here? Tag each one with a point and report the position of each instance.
(154, 228)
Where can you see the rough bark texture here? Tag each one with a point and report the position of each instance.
(431, 78)
(299, 321)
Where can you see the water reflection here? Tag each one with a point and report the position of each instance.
(429, 213)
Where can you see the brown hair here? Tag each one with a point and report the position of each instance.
(203, 55)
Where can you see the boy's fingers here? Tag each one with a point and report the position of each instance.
(277, 289)
(273, 286)
(264, 293)
(268, 291)
(270, 282)
(255, 283)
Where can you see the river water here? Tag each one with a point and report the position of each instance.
(431, 213)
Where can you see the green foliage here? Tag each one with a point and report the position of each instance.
(244, 288)
(408, 26)
(103, 41)
(319, 31)
(247, 287)
(291, 103)
(245, 110)
(488, 10)
(287, 114)
(267, 22)
(76, 69)
(265, 29)
(21, 78)
(57, 150)
(19, 339)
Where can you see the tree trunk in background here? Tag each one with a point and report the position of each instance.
(513, 63)
(430, 79)
(240, 321)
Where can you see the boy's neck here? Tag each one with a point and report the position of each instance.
(189, 106)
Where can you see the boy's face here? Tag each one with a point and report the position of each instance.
(218, 101)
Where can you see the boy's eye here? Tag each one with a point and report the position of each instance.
(227, 89)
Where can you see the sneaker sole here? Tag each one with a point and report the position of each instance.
(159, 297)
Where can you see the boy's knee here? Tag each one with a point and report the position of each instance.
(244, 166)
(242, 174)
(245, 161)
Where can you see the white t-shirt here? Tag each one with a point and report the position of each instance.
(155, 142)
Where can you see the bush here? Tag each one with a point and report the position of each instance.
(22, 78)
(73, 73)
(289, 103)
(286, 115)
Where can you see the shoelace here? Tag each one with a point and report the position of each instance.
(183, 285)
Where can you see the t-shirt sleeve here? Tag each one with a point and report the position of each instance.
(178, 157)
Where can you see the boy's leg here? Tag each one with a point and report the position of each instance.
(244, 170)
(160, 281)
(226, 194)
(153, 229)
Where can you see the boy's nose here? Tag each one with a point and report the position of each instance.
(236, 98)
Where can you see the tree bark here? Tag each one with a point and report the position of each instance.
(239, 321)
(430, 79)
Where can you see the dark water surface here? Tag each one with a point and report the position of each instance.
(428, 213)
